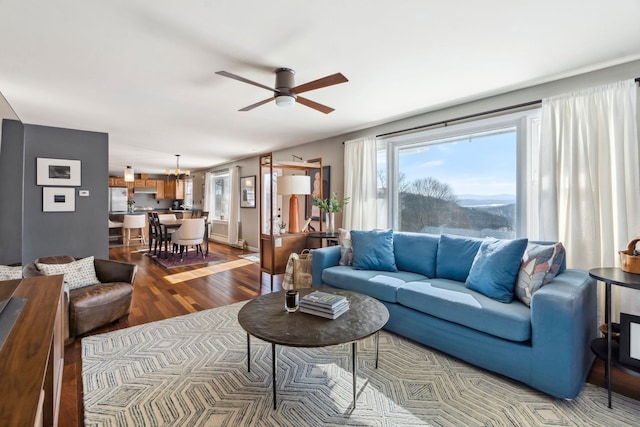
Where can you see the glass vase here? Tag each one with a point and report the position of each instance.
(331, 222)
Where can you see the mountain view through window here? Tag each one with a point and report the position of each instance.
(464, 185)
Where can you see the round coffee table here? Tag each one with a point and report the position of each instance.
(266, 318)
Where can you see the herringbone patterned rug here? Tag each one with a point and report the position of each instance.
(192, 371)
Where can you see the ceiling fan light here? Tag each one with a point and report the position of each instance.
(285, 101)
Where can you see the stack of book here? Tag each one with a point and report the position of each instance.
(324, 304)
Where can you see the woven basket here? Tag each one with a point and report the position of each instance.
(628, 261)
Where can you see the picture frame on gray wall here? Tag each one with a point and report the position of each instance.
(58, 199)
(58, 172)
(248, 191)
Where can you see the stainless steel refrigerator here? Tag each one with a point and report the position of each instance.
(117, 199)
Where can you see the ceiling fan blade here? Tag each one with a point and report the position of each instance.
(257, 104)
(331, 80)
(242, 79)
(312, 104)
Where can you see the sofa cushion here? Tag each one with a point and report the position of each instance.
(77, 274)
(437, 297)
(416, 252)
(373, 250)
(8, 272)
(495, 268)
(540, 265)
(346, 248)
(383, 286)
(455, 256)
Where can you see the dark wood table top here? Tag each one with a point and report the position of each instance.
(616, 276)
(265, 318)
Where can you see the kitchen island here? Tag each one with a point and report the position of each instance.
(115, 234)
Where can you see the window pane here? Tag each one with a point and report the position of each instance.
(221, 196)
(464, 185)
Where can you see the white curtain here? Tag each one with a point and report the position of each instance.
(234, 205)
(360, 184)
(589, 185)
(207, 204)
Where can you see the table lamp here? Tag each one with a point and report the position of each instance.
(291, 185)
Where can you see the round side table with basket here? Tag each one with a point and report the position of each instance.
(615, 339)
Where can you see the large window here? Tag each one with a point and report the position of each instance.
(464, 180)
(220, 187)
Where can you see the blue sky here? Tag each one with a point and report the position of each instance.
(486, 165)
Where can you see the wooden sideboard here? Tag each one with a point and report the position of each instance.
(32, 358)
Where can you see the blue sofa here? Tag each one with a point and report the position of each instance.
(546, 345)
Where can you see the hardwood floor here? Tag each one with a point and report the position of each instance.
(161, 294)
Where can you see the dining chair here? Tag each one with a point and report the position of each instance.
(134, 222)
(167, 217)
(190, 233)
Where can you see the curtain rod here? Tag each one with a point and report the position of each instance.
(470, 116)
(457, 119)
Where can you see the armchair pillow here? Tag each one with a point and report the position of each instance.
(77, 274)
(373, 250)
(495, 268)
(8, 272)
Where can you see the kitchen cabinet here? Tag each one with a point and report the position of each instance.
(115, 181)
(160, 189)
(145, 183)
(174, 189)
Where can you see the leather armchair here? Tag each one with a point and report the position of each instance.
(96, 305)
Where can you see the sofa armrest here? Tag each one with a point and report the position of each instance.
(109, 271)
(564, 321)
(323, 258)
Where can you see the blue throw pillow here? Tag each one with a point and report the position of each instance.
(373, 250)
(416, 252)
(495, 268)
(455, 256)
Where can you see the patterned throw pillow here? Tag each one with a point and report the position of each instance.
(346, 251)
(77, 274)
(540, 265)
(10, 273)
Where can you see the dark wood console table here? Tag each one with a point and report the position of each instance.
(605, 348)
(31, 360)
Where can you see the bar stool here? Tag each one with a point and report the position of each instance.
(134, 222)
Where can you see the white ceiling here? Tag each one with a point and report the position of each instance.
(143, 70)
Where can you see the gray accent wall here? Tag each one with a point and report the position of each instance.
(81, 233)
(11, 173)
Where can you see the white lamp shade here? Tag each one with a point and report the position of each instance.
(294, 184)
(128, 174)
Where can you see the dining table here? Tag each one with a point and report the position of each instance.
(169, 226)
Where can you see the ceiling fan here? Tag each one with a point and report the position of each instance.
(286, 93)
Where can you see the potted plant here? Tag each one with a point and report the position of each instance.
(283, 227)
(331, 206)
(130, 204)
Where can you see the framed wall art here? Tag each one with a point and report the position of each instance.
(248, 191)
(56, 199)
(313, 211)
(58, 172)
(630, 339)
